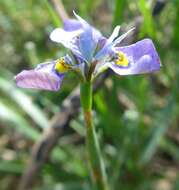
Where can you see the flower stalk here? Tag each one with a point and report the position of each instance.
(96, 164)
(91, 54)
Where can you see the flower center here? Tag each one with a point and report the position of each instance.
(61, 66)
(121, 59)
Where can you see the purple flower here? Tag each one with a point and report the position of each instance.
(43, 77)
(92, 54)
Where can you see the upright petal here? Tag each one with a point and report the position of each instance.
(142, 57)
(114, 34)
(122, 37)
(106, 50)
(79, 37)
(44, 77)
(71, 25)
(87, 45)
(68, 39)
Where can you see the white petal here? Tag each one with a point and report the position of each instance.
(61, 36)
(82, 21)
(118, 40)
(114, 34)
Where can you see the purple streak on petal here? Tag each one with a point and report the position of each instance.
(142, 56)
(43, 77)
(101, 43)
(97, 36)
(104, 52)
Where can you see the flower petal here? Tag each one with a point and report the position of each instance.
(106, 50)
(142, 57)
(67, 38)
(87, 44)
(71, 25)
(78, 36)
(43, 77)
(114, 34)
(122, 37)
(64, 37)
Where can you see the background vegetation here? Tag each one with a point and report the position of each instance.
(137, 117)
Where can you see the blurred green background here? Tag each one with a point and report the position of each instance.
(137, 117)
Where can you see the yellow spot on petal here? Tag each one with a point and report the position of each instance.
(61, 66)
(121, 60)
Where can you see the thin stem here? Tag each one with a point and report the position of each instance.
(96, 164)
(60, 9)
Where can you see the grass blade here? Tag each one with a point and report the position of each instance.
(148, 25)
(20, 124)
(160, 126)
(24, 102)
(118, 12)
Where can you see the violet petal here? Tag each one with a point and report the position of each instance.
(87, 44)
(68, 39)
(106, 50)
(71, 25)
(142, 57)
(43, 77)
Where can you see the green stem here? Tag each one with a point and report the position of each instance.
(93, 150)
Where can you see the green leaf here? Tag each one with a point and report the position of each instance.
(20, 124)
(11, 167)
(24, 102)
(161, 124)
(175, 39)
(78, 127)
(148, 25)
(171, 148)
(66, 186)
(53, 15)
(119, 8)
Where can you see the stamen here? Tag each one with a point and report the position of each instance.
(121, 59)
(61, 66)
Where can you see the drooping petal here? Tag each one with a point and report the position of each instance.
(43, 77)
(142, 57)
